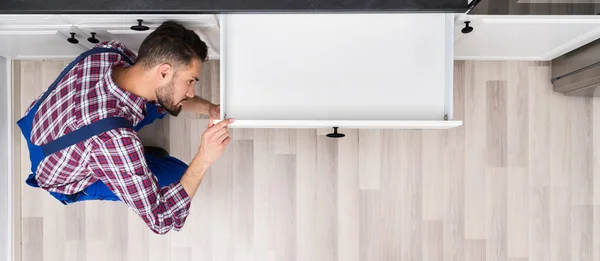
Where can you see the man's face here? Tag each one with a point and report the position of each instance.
(180, 88)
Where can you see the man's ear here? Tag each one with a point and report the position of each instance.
(164, 70)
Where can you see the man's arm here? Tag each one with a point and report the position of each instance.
(198, 105)
(120, 163)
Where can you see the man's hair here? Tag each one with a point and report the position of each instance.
(171, 43)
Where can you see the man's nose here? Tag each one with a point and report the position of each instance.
(190, 92)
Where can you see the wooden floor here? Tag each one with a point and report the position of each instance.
(519, 181)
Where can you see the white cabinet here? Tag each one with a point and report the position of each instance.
(529, 37)
(343, 70)
(45, 36)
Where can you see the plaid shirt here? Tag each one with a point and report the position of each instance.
(87, 94)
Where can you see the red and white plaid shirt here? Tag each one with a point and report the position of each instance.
(87, 94)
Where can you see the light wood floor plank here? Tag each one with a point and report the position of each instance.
(539, 163)
(243, 198)
(348, 197)
(560, 142)
(325, 231)
(395, 197)
(539, 223)
(454, 195)
(433, 241)
(75, 250)
(496, 241)
(475, 152)
(432, 163)
(222, 207)
(582, 233)
(517, 212)
(581, 162)
(475, 249)
(560, 223)
(539, 125)
(274, 197)
(596, 238)
(33, 243)
(497, 121)
(596, 152)
(369, 161)
(410, 179)
(306, 195)
(517, 96)
(181, 254)
(370, 225)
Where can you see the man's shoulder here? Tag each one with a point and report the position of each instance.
(112, 44)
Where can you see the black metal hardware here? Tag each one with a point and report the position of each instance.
(467, 28)
(139, 26)
(72, 39)
(335, 134)
(93, 38)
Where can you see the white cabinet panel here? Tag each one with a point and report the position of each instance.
(124, 21)
(531, 37)
(19, 22)
(44, 36)
(346, 70)
(35, 46)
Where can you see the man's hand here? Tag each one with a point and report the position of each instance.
(214, 142)
(214, 111)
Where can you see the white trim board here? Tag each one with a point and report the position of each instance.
(500, 58)
(6, 197)
(349, 124)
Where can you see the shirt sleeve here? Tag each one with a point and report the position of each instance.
(120, 163)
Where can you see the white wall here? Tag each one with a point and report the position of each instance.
(6, 125)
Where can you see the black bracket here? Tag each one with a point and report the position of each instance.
(73, 40)
(335, 134)
(139, 26)
(93, 39)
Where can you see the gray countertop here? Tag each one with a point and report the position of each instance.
(226, 6)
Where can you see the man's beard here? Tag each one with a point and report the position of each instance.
(164, 95)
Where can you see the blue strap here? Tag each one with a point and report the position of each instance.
(71, 65)
(85, 133)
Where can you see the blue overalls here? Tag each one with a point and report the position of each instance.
(166, 169)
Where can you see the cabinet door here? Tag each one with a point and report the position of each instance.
(35, 36)
(534, 38)
(345, 70)
(118, 27)
(45, 36)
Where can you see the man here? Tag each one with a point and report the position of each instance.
(82, 132)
